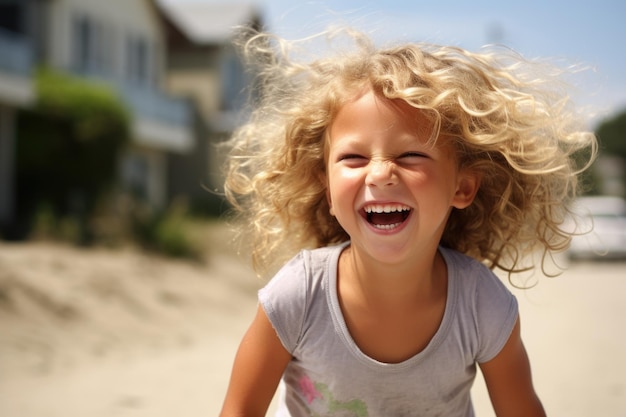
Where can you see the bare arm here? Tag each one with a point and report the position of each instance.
(259, 365)
(509, 381)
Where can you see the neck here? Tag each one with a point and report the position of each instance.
(420, 278)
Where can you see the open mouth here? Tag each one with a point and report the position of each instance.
(386, 216)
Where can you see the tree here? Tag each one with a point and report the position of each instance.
(611, 134)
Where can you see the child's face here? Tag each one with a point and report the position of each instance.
(389, 189)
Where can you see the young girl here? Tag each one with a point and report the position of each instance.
(408, 173)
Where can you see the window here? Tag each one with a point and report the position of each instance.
(234, 82)
(91, 46)
(138, 60)
(83, 44)
(11, 17)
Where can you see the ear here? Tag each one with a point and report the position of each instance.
(467, 187)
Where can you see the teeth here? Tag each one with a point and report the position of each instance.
(386, 208)
(386, 226)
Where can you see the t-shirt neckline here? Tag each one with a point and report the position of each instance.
(342, 329)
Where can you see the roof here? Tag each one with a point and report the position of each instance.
(209, 23)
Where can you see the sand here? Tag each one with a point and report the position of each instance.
(100, 332)
(97, 332)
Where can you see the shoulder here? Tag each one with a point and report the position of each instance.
(289, 295)
(457, 260)
(472, 275)
(484, 303)
(307, 267)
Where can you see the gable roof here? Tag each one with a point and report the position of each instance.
(209, 23)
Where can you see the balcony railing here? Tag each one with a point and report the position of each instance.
(16, 53)
(145, 101)
(156, 105)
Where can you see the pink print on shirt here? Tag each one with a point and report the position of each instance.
(317, 391)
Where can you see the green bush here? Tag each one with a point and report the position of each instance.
(67, 150)
(167, 232)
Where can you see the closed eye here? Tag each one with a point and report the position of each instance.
(412, 155)
(351, 158)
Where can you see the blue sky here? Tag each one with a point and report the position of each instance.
(589, 33)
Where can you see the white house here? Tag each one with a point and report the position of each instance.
(174, 67)
(122, 43)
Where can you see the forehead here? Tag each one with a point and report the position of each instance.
(372, 114)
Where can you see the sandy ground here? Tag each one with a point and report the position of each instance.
(94, 333)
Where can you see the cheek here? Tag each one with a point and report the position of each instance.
(340, 188)
(341, 181)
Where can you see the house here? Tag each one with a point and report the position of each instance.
(203, 64)
(118, 43)
(122, 43)
(178, 74)
(17, 90)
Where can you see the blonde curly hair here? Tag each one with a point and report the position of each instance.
(507, 121)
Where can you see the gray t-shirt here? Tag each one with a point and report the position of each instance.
(330, 376)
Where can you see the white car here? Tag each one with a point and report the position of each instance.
(602, 225)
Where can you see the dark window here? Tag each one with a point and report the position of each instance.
(11, 17)
(138, 59)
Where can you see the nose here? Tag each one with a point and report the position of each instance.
(381, 174)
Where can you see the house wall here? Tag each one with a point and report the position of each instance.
(196, 72)
(214, 76)
(118, 20)
(16, 89)
(204, 85)
(188, 172)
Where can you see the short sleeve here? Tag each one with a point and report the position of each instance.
(496, 314)
(284, 300)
